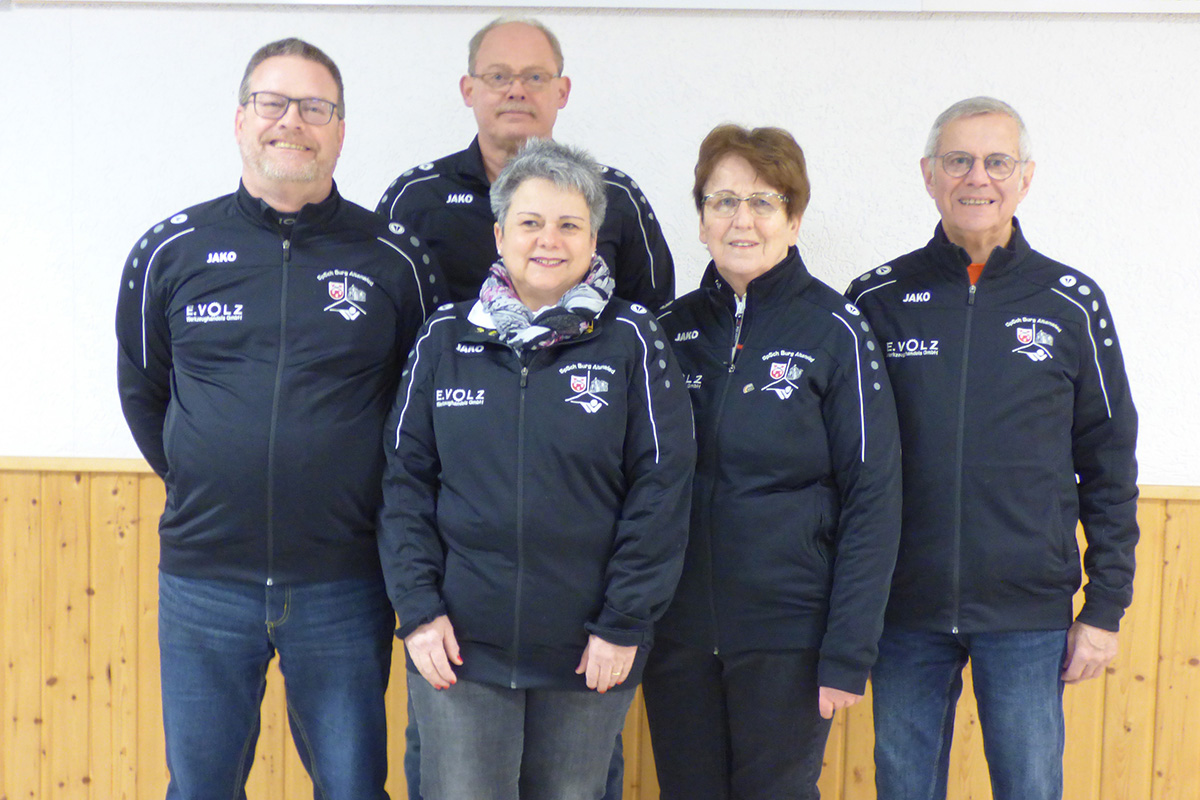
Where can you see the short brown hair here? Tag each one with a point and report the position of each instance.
(293, 47)
(772, 153)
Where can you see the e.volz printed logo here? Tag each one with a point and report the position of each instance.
(213, 312)
(457, 398)
(1033, 340)
(908, 348)
(348, 298)
(587, 392)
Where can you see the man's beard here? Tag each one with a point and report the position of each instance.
(262, 163)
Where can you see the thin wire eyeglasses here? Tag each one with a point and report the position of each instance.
(998, 165)
(761, 204)
(534, 80)
(313, 110)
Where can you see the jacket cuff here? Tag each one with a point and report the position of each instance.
(616, 628)
(417, 608)
(1104, 616)
(840, 675)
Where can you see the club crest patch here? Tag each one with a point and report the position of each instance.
(1034, 337)
(588, 389)
(346, 290)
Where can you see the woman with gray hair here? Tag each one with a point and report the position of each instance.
(540, 455)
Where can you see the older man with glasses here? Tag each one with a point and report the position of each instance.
(1016, 424)
(261, 337)
(515, 87)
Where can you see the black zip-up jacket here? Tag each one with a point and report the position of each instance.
(537, 498)
(1016, 423)
(258, 355)
(796, 504)
(446, 203)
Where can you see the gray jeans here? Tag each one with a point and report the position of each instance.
(484, 742)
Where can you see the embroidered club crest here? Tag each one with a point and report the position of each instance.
(587, 391)
(784, 375)
(1024, 335)
(337, 289)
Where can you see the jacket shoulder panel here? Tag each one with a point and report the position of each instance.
(409, 193)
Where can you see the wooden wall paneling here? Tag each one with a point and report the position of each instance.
(859, 773)
(833, 763)
(21, 621)
(296, 782)
(66, 503)
(644, 785)
(1130, 696)
(1177, 733)
(152, 754)
(1083, 705)
(112, 669)
(397, 716)
(266, 774)
(968, 778)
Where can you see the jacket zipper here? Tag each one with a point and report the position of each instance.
(739, 317)
(287, 256)
(516, 637)
(956, 576)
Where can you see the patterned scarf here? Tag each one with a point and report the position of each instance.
(523, 329)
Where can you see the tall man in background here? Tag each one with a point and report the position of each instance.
(261, 337)
(1016, 423)
(515, 86)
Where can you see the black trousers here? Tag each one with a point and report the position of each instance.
(738, 726)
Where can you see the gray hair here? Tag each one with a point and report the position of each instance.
(973, 107)
(477, 40)
(293, 47)
(565, 166)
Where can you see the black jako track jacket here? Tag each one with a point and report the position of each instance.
(258, 355)
(537, 498)
(796, 503)
(446, 204)
(1016, 423)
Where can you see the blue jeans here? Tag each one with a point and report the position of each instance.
(485, 742)
(916, 684)
(335, 644)
(614, 787)
(745, 726)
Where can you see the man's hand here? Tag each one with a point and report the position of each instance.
(432, 647)
(831, 700)
(1089, 651)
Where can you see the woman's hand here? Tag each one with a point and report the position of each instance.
(432, 647)
(831, 700)
(606, 665)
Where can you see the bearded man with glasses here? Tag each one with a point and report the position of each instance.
(261, 337)
(1016, 424)
(515, 87)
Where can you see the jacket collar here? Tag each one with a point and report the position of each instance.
(312, 215)
(1000, 261)
(783, 281)
(469, 164)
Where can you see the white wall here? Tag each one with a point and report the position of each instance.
(113, 117)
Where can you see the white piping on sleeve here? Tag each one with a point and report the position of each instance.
(866, 292)
(392, 208)
(1087, 318)
(642, 226)
(412, 370)
(416, 274)
(862, 411)
(646, 372)
(146, 283)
